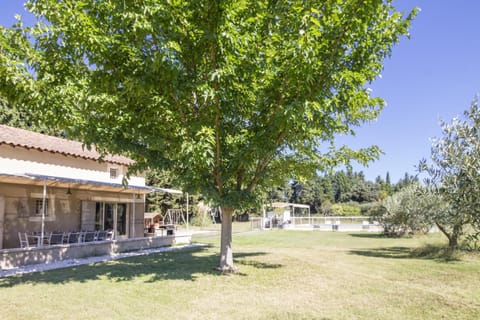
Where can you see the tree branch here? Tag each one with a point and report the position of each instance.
(240, 175)
(444, 231)
(218, 175)
(218, 150)
(263, 163)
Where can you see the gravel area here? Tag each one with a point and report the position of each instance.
(89, 260)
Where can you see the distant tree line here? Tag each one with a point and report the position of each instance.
(328, 192)
(23, 119)
(339, 193)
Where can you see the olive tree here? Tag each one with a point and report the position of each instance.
(229, 96)
(454, 174)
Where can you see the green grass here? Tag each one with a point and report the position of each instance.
(237, 227)
(282, 274)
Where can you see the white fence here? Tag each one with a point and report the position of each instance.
(331, 220)
(256, 223)
(340, 223)
(331, 223)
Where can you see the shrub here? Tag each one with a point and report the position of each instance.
(346, 209)
(406, 212)
(199, 221)
(472, 242)
(369, 208)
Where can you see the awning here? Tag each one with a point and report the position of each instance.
(286, 205)
(79, 184)
(166, 190)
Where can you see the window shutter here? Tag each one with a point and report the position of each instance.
(88, 215)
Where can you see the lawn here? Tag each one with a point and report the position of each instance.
(282, 274)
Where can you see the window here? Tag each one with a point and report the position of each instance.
(35, 207)
(39, 207)
(113, 173)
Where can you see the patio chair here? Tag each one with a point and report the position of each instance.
(33, 239)
(23, 239)
(57, 238)
(110, 235)
(73, 237)
(47, 236)
(89, 236)
(101, 235)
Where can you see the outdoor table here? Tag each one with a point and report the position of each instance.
(169, 228)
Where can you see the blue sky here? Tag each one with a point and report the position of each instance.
(431, 76)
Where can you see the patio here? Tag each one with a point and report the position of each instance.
(18, 257)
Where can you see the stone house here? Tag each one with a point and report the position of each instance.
(54, 184)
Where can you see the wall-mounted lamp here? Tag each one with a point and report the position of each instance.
(69, 192)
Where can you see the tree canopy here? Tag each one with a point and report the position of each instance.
(230, 96)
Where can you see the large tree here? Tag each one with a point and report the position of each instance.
(230, 96)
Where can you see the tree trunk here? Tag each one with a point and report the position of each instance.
(226, 253)
(453, 236)
(453, 240)
(444, 231)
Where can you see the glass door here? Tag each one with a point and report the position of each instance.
(109, 216)
(121, 219)
(99, 216)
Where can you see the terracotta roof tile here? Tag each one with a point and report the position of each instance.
(32, 140)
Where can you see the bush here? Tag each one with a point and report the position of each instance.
(405, 213)
(370, 208)
(199, 221)
(472, 242)
(326, 208)
(346, 209)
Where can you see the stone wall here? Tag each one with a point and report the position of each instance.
(12, 258)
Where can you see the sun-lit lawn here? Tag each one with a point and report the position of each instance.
(282, 275)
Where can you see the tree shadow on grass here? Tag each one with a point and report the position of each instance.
(367, 235)
(389, 253)
(257, 264)
(185, 264)
(430, 252)
(437, 252)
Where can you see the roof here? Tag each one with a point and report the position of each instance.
(32, 140)
(150, 215)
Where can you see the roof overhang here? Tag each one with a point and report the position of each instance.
(286, 205)
(79, 184)
(166, 190)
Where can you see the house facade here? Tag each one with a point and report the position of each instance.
(53, 184)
